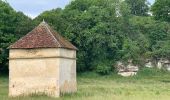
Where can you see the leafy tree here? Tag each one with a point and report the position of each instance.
(104, 31)
(54, 18)
(152, 29)
(103, 68)
(162, 47)
(96, 30)
(138, 7)
(161, 50)
(23, 24)
(130, 51)
(6, 40)
(12, 26)
(161, 10)
(93, 26)
(102, 36)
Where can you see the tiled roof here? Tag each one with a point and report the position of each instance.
(43, 36)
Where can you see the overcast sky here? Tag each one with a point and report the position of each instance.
(33, 8)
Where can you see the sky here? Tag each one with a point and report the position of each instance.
(33, 8)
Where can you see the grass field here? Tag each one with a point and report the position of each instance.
(149, 84)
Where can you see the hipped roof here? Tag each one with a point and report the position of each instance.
(43, 36)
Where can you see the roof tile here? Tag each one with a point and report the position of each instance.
(43, 36)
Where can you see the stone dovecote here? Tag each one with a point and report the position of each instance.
(42, 62)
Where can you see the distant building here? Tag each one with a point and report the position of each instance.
(42, 62)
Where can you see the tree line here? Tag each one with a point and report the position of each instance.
(104, 31)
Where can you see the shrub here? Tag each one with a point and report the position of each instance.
(103, 69)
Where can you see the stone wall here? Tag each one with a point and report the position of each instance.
(161, 63)
(126, 70)
(68, 71)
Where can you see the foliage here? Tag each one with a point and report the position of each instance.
(138, 7)
(93, 27)
(130, 50)
(104, 67)
(161, 10)
(161, 49)
(151, 72)
(53, 18)
(152, 34)
(12, 26)
(104, 31)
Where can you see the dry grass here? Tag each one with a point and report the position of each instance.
(149, 84)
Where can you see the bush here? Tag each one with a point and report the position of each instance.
(151, 72)
(103, 69)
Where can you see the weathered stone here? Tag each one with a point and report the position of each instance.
(168, 68)
(149, 64)
(160, 64)
(132, 68)
(49, 71)
(127, 74)
(167, 65)
(120, 67)
(163, 63)
(129, 70)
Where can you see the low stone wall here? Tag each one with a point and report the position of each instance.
(127, 74)
(160, 64)
(129, 70)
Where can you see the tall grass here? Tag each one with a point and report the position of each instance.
(148, 84)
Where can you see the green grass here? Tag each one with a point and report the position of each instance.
(149, 84)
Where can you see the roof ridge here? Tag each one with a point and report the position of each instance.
(42, 36)
(46, 26)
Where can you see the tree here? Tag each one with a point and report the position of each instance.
(138, 7)
(54, 18)
(161, 10)
(130, 51)
(12, 26)
(96, 30)
(92, 26)
(161, 49)
(104, 31)
(6, 40)
(151, 34)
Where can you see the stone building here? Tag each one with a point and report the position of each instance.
(42, 62)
